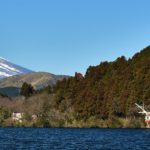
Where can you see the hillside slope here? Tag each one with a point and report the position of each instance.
(37, 79)
(109, 89)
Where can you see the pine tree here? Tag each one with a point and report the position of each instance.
(27, 89)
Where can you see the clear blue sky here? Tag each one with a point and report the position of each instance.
(65, 36)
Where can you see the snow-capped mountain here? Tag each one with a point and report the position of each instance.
(8, 69)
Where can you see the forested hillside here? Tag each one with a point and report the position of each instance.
(109, 89)
(104, 97)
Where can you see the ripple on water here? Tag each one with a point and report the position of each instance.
(73, 139)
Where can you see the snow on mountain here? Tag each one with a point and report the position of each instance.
(8, 69)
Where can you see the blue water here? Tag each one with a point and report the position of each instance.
(74, 139)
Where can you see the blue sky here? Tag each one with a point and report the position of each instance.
(65, 36)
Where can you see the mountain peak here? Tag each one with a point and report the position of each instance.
(8, 69)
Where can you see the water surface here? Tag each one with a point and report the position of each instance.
(74, 139)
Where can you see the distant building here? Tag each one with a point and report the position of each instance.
(17, 116)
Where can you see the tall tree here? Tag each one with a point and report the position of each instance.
(27, 89)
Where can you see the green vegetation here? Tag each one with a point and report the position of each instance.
(104, 97)
(26, 89)
(4, 115)
(10, 91)
(3, 95)
(107, 90)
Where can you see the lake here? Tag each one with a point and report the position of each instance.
(73, 139)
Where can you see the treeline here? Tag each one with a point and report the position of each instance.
(107, 90)
(104, 97)
(28, 90)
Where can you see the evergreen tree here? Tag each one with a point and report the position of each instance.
(27, 89)
(107, 90)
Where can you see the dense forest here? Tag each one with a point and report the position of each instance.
(107, 90)
(104, 97)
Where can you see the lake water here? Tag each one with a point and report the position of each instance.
(74, 139)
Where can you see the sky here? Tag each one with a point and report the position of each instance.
(67, 36)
